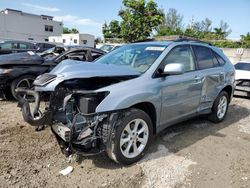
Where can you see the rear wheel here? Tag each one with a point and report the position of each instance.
(132, 137)
(24, 82)
(220, 107)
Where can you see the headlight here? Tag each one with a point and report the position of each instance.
(87, 103)
(5, 71)
(44, 79)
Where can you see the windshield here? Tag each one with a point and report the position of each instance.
(50, 50)
(107, 48)
(138, 57)
(243, 66)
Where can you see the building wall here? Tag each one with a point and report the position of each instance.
(237, 54)
(18, 25)
(74, 39)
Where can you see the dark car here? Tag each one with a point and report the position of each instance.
(43, 46)
(20, 70)
(13, 46)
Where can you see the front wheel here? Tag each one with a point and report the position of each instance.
(24, 82)
(132, 137)
(220, 107)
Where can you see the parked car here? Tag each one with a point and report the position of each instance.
(119, 102)
(43, 46)
(242, 78)
(110, 47)
(20, 70)
(14, 46)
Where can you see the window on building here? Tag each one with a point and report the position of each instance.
(48, 28)
(204, 57)
(30, 39)
(46, 40)
(64, 41)
(84, 41)
(75, 41)
(183, 55)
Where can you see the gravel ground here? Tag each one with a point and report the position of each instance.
(195, 153)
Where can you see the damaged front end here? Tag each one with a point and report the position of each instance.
(72, 117)
(243, 87)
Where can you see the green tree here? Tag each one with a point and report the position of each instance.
(115, 29)
(172, 24)
(105, 30)
(139, 19)
(74, 30)
(66, 30)
(245, 40)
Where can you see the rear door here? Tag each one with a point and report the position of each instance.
(212, 75)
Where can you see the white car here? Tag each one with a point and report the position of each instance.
(242, 77)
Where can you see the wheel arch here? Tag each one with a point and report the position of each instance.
(229, 90)
(149, 109)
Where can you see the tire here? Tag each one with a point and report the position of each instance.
(122, 151)
(220, 107)
(18, 83)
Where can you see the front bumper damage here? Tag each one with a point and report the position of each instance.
(243, 87)
(85, 134)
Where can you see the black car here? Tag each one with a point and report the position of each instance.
(43, 46)
(13, 46)
(20, 70)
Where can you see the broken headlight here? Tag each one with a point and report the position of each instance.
(44, 79)
(88, 102)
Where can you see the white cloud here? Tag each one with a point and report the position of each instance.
(42, 8)
(75, 20)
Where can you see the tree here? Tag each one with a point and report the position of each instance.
(223, 30)
(115, 29)
(172, 24)
(139, 19)
(173, 20)
(245, 40)
(105, 30)
(67, 30)
(206, 25)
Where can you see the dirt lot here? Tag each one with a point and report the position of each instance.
(195, 153)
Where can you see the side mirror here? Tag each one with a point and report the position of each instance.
(174, 69)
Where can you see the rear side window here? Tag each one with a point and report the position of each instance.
(220, 59)
(204, 57)
(23, 46)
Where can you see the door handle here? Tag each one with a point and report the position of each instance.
(197, 79)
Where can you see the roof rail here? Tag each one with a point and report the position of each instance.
(184, 39)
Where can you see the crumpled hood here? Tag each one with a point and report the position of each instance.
(21, 59)
(77, 69)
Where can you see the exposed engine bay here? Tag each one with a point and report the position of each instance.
(71, 114)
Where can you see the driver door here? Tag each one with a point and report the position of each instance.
(180, 93)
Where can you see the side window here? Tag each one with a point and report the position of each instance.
(23, 46)
(220, 59)
(181, 54)
(14, 45)
(204, 57)
(5, 46)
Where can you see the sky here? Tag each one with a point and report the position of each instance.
(89, 15)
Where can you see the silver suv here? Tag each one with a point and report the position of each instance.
(119, 102)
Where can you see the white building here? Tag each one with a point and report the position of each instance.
(74, 39)
(18, 25)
